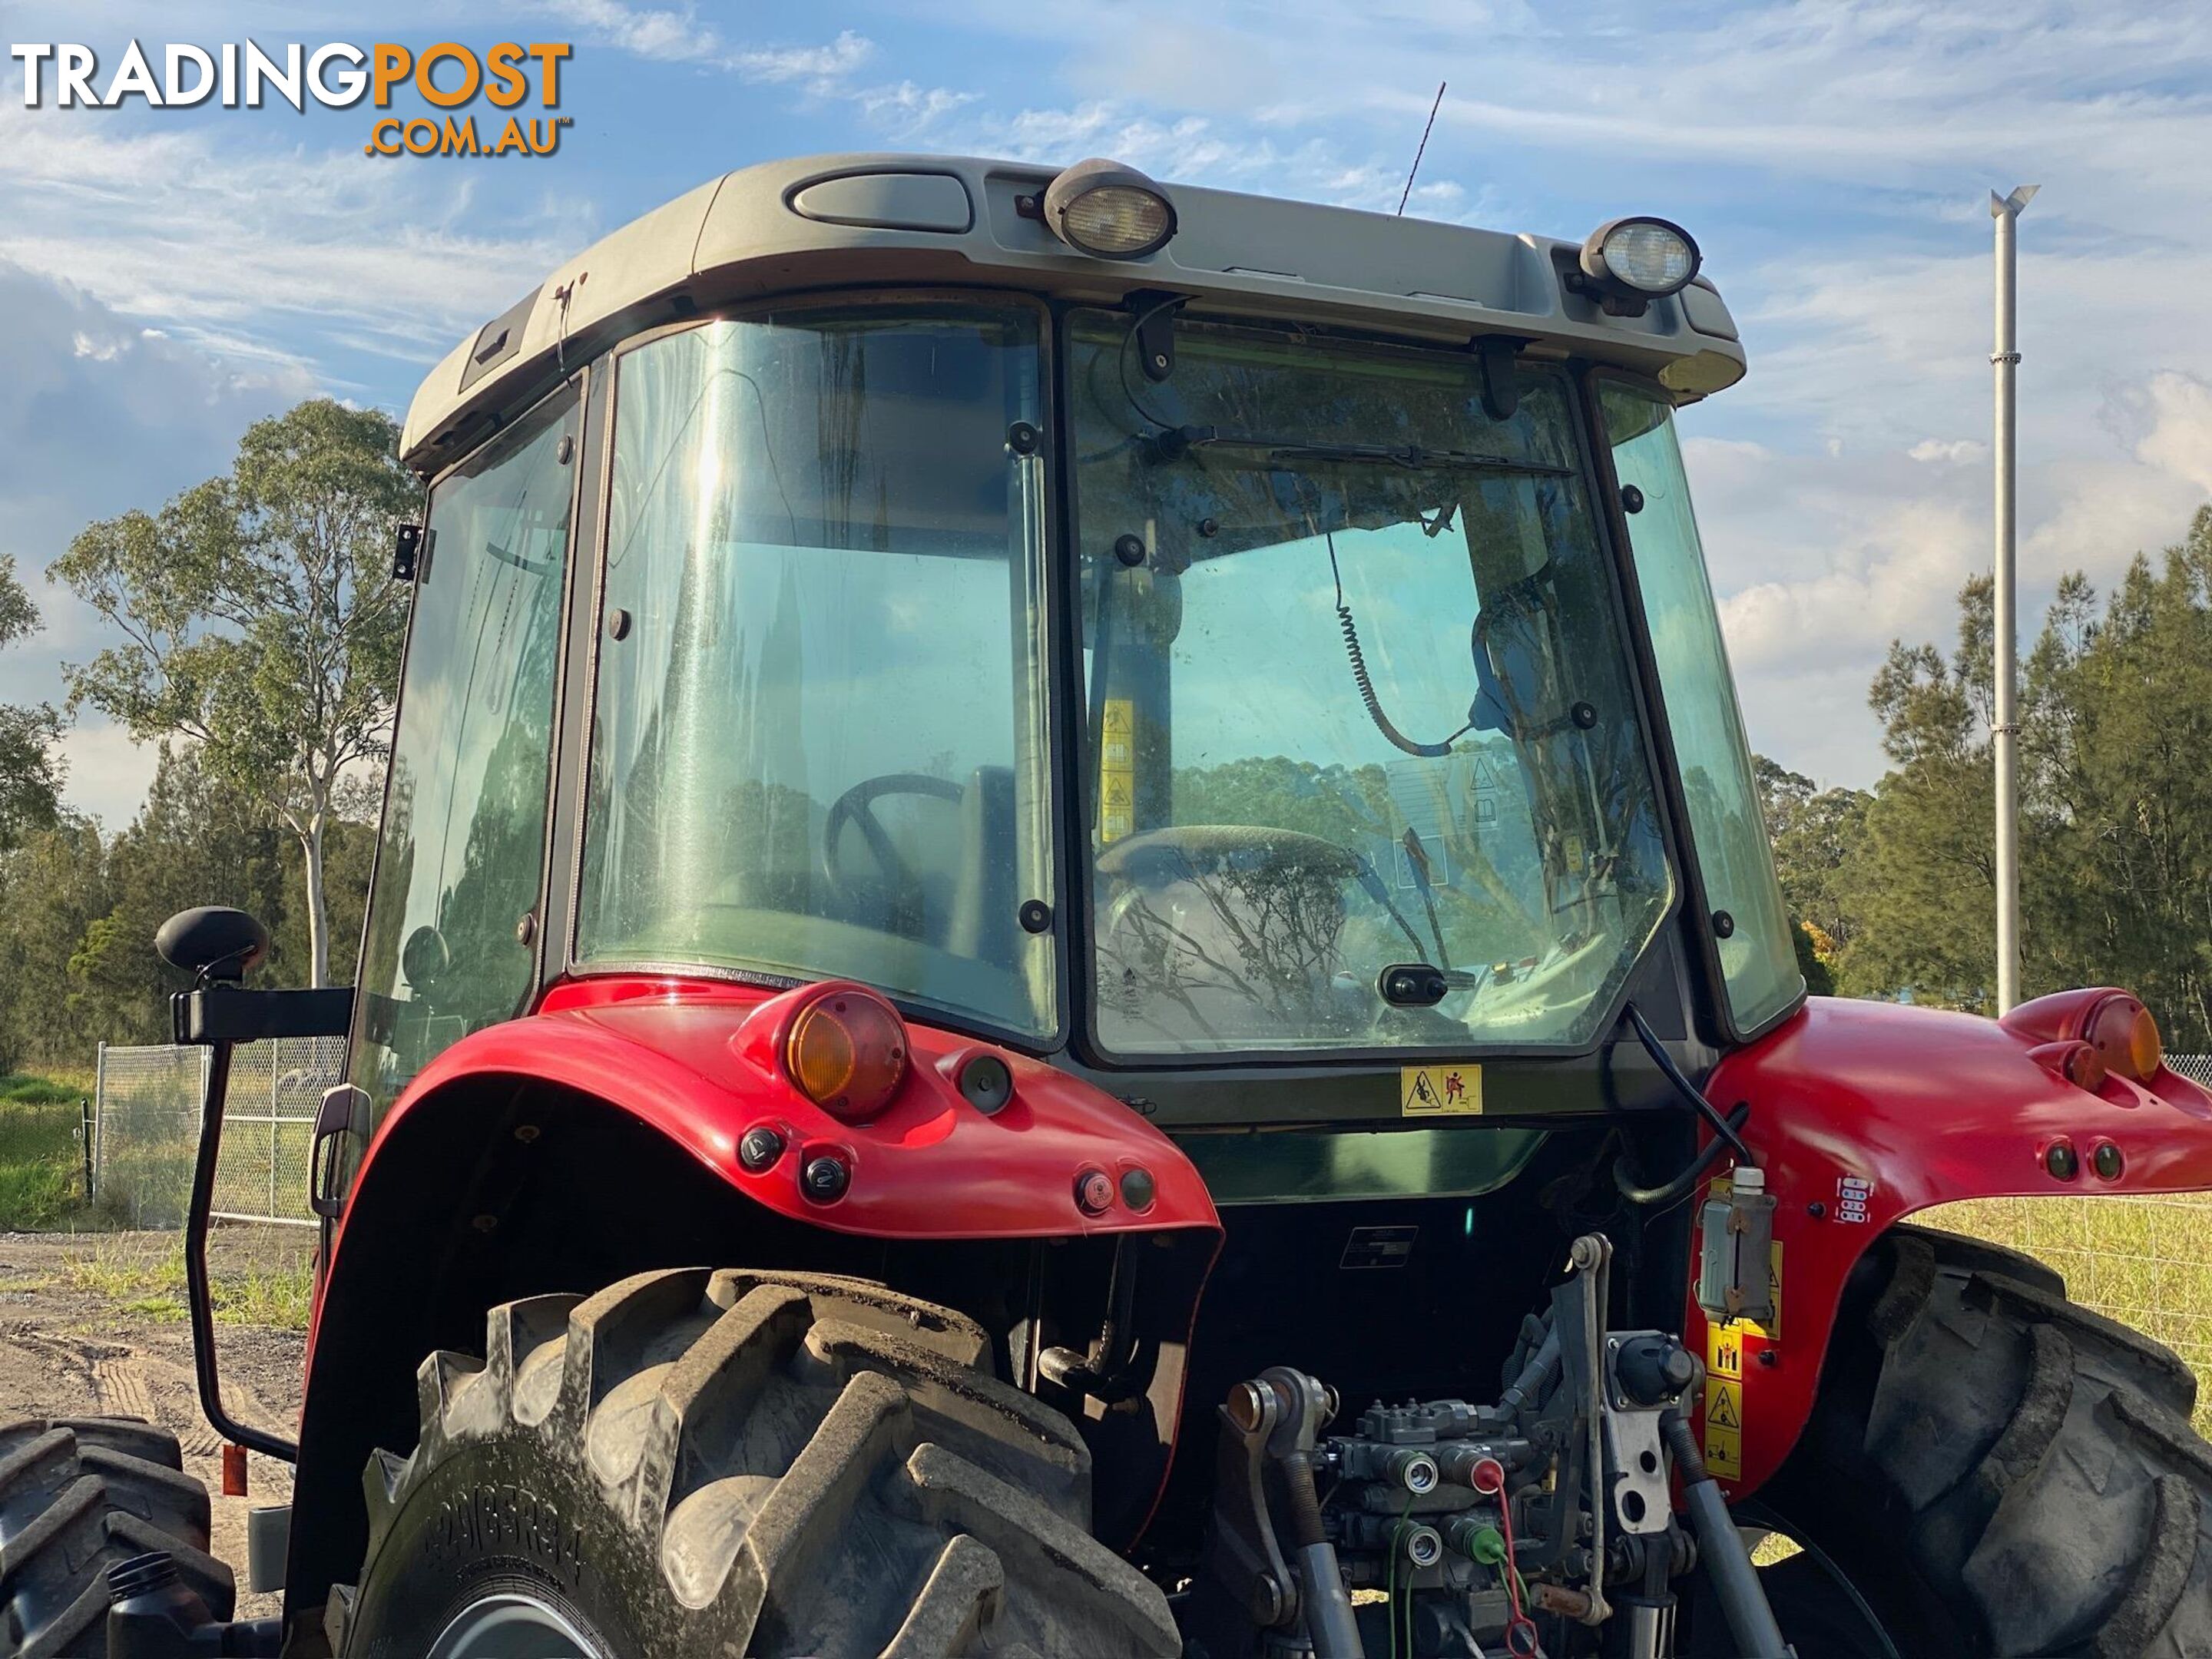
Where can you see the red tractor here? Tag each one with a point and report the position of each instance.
(1072, 958)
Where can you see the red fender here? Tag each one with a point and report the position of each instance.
(697, 1063)
(695, 1059)
(1863, 1113)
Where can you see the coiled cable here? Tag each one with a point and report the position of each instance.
(1365, 682)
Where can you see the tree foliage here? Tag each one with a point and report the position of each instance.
(78, 909)
(30, 775)
(2116, 822)
(257, 620)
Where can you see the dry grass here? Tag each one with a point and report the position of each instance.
(258, 1276)
(2144, 1261)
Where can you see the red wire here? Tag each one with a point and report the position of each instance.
(1519, 1627)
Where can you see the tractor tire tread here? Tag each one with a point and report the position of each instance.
(78, 1496)
(2042, 1457)
(813, 1465)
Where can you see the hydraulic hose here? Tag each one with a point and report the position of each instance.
(1536, 1375)
(1690, 1094)
(1330, 1622)
(1674, 1191)
(1720, 1547)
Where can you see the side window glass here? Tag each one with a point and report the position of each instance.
(462, 843)
(1757, 959)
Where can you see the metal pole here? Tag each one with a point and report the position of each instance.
(2004, 731)
(99, 1115)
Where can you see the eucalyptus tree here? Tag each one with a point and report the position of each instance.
(257, 619)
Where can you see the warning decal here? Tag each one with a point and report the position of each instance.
(1440, 1091)
(1771, 1328)
(1117, 769)
(1725, 1402)
(1724, 1409)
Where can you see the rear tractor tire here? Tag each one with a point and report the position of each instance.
(1998, 1471)
(81, 1495)
(738, 1464)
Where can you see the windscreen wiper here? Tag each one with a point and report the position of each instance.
(1172, 443)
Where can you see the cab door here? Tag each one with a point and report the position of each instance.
(451, 939)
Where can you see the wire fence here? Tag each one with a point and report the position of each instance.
(2144, 1261)
(146, 1123)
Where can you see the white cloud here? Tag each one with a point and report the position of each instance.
(96, 418)
(107, 773)
(810, 64)
(676, 35)
(2178, 440)
(1957, 451)
(243, 248)
(650, 32)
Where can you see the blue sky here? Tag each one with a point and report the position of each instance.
(168, 275)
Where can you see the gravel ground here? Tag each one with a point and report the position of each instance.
(69, 1348)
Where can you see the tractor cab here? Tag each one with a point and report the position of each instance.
(1144, 678)
(1129, 797)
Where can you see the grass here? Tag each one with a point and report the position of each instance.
(265, 1282)
(41, 1158)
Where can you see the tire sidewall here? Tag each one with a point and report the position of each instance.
(497, 1515)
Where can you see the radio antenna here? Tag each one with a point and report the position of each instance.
(1406, 194)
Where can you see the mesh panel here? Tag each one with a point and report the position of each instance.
(147, 1130)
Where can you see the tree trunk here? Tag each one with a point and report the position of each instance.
(319, 919)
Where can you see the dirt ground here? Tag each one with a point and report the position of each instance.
(72, 1349)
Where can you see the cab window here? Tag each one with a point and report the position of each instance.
(462, 846)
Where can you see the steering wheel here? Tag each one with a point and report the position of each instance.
(856, 806)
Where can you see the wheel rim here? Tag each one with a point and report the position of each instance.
(512, 1626)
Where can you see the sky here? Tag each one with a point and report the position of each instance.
(169, 275)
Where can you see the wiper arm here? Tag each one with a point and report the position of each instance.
(1172, 443)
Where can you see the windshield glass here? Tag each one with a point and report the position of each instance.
(818, 741)
(1357, 696)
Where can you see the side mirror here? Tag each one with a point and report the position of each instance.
(212, 942)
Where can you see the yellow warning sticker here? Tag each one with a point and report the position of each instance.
(1440, 1091)
(1772, 1329)
(1117, 769)
(1724, 1351)
(1724, 1401)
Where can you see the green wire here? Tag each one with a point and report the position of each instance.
(1390, 1589)
(1405, 1615)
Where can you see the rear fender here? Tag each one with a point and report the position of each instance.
(597, 1138)
(1863, 1113)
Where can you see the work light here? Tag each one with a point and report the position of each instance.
(1105, 209)
(1647, 256)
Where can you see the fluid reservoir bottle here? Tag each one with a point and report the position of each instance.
(152, 1613)
(1738, 1227)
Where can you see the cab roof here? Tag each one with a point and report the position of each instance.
(838, 221)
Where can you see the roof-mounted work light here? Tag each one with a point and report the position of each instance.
(1628, 262)
(1105, 209)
